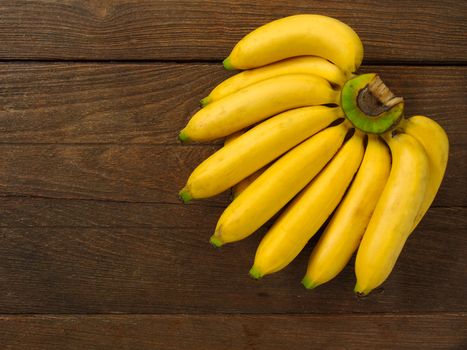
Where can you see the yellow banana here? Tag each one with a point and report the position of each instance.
(233, 137)
(395, 213)
(297, 36)
(257, 102)
(345, 230)
(289, 149)
(436, 144)
(256, 148)
(240, 187)
(277, 185)
(297, 65)
(305, 215)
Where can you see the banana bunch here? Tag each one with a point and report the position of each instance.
(309, 140)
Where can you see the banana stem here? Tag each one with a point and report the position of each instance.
(370, 105)
(381, 92)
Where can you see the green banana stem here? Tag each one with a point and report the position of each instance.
(369, 104)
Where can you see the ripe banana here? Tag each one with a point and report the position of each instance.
(305, 215)
(257, 102)
(345, 230)
(233, 137)
(291, 143)
(297, 65)
(277, 185)
(297, 36)
(256, 148)
(436, 144)
(242, 185)
(395, 214)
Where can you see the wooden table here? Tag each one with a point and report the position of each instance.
(96, 250)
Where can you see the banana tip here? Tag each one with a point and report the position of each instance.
(308, 283)
(361, 292)
(228, 64)
(183, 137)
(205, 101)
(185, 196)
(215, 241)
(255, 273)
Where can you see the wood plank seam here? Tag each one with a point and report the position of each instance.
(365, 63)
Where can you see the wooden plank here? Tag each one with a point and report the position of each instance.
(98, 103)
(51, 212)
(48, 212)
(170, 270)
(140, 173)
(418, 31)
(121, 332)
(150, 103)
(129, 173)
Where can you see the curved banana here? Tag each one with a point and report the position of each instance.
(256, 148)
(238, 188)
(233, 137)
(255, 103)
(345, 230)
(297, 36)
(297, 65)
(436, 144)
(395, 214)
(305, 215)
(242, 185)
(277, 185)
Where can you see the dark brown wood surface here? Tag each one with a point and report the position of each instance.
(233, 332)
(96, 250)
(162, 268)
(417, 31)
(149, 103)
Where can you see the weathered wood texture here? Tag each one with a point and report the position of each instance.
(150, 103)
(30, 211)
(143, 107)
(139, 173)
(412, 31)
(242, 332)
(90, 166)
(128, 173)
(175, 270)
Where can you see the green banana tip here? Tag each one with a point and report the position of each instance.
(308, 283)
(360, 291)
(183, 137)
(215, 241)
(255, 273)
(228, 64)
(205, 101)
(185, 196)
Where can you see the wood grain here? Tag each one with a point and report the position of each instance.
(127, 173)
(98, 253)
(52, 212)
(175, 270)
(150, 103)
(140, 173)
(415, 31)
(234, 332)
